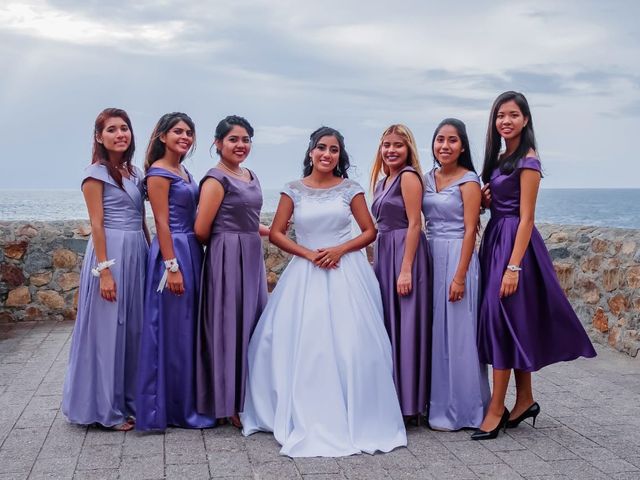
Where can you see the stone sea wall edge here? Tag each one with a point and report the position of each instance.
(598, 268)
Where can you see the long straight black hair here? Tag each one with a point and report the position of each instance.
(493, 143)
(464, 160)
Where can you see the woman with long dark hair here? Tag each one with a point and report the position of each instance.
(100, 382)
(526, 321)
(459, 384)
(234, 285)
(320, 367)
(166, 378)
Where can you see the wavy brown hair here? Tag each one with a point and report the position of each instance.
(101, 155)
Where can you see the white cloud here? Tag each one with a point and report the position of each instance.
(279, 135)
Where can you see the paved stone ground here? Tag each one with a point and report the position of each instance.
(589, 429)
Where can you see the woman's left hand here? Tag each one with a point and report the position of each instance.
(509, 283)
(328, 257)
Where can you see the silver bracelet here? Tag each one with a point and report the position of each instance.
(514, 268)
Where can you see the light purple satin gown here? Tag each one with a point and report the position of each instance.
(407, 318)
(459, 385)
(535, 326)
(100, 382)
(234, 293)
(166, 373)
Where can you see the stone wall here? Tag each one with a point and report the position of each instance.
(599, 269)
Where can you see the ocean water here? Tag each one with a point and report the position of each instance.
(596, 207)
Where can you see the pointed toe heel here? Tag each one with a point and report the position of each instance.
(482, 435)
(532, 412)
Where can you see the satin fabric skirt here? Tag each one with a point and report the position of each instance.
(460, 391)
(100, 381)
(535, 326)
(320, 366)
(407, 318)
(166, 375)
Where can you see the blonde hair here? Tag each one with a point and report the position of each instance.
(413, 160)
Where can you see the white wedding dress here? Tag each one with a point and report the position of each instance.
(320, 366)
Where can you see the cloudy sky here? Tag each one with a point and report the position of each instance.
(291, 66)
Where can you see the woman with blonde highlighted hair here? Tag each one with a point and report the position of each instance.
(401, 265)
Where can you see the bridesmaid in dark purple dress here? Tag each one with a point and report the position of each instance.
(234, 290)
(526, 321)
(401, 265)
(166, 375)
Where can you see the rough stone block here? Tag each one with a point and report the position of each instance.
(63, 258)
(11, 274)
(614, 336)
(600, 321)
(51, 299)
(16, 250)
(592, 264)
(599, 246)
(628, 247)
(558, 237)
(37, 262)
(611, 279)
(590, 292)
(18, 297)
(83, 230)
(565, 274)
(68, 280)
(27, 230)
(557, 253)
(633, 276)
(78, 245)
(33, 313)
(618, 304)
(40, 279)
(6, 317)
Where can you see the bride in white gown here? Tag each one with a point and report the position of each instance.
(320, 366)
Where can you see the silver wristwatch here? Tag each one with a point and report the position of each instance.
(514, 268)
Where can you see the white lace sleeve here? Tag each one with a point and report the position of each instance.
(292, 191)
(352, 189)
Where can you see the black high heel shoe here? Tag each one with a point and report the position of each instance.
(532, 412)
(482, 435)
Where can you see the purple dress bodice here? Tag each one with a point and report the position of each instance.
(388, 204)
(183, 199)
(240, 208)
(444, 210)
(122, 209)
(505, 189)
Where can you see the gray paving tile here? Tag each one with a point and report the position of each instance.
(226, 464)
(194, 471)
(307, 466)
(93, 457)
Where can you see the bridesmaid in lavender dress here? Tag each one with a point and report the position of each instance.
(402, 266)
(526, 321)
(459, 384)
(166, 376)
(99, 385)
(234, 290)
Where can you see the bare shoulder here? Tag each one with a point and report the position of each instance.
(532, 153)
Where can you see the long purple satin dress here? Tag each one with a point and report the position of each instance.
(535, 326)
(234, 293)
(407, 318)
(459, 385)
(166, 369)
(100, 382)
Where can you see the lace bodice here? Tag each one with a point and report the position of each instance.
(322, 217)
